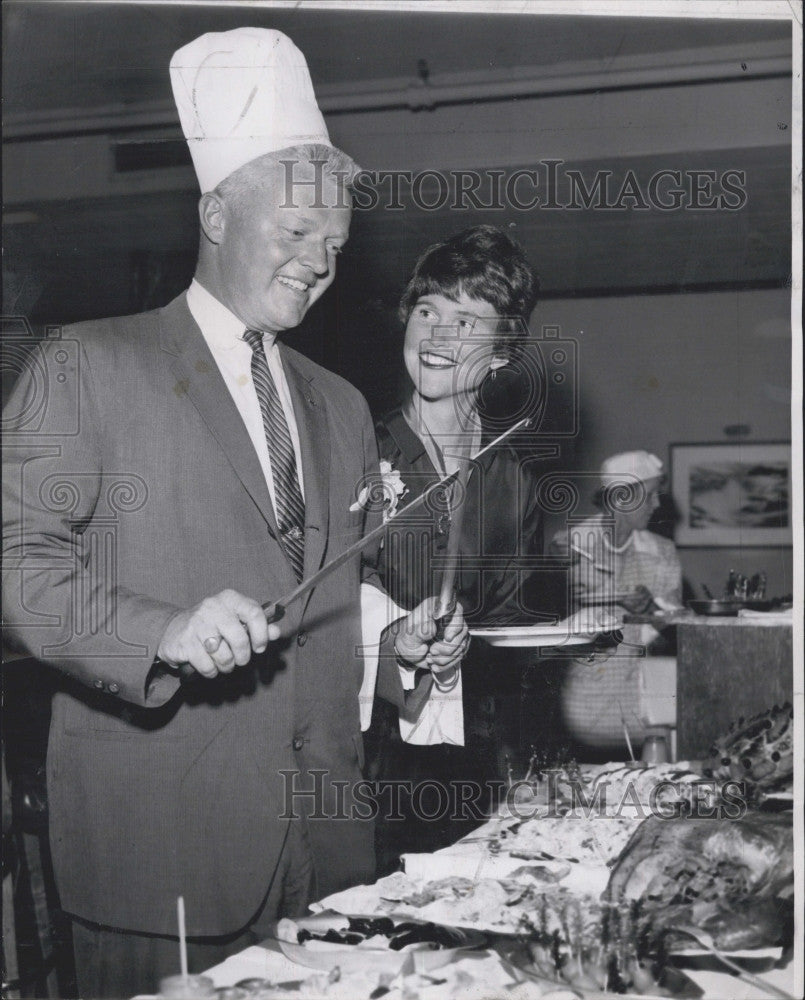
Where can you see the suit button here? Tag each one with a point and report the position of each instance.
(297, 743)
(99, 684)
(114, 688)
(301, 639)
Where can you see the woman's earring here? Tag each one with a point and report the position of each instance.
(493, 374)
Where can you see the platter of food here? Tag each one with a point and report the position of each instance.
(579, 840)
(729, 878)
(750, 765)
(758, 752)
(329, 940)
(488, 905)
(635, 789)
(493, 881)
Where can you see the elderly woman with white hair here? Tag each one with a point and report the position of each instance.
(617, 563)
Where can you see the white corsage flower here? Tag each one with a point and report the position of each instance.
(386, 492)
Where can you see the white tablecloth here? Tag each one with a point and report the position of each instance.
(489, 976)
(478, 976)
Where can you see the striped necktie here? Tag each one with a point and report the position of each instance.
(289, 506)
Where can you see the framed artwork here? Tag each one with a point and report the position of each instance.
(733, 495)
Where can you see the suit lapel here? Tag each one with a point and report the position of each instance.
(198, 378)
(310, 408)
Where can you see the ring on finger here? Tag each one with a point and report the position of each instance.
(212, 643)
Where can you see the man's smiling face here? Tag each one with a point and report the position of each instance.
(277, 251)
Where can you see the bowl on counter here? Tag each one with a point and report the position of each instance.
(728, 607)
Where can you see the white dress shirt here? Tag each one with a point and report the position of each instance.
(223, 332)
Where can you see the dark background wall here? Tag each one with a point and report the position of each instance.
(685, 313)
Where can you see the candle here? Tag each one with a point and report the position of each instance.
(185, 985)
(182, 936)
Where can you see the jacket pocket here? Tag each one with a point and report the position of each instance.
(119, 721)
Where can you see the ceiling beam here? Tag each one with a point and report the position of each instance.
(758, 61)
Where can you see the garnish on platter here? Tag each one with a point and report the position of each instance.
(585, 946)
(327, 940)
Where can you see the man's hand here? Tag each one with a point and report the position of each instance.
(415, 642)
(216, 635)
(639, 602)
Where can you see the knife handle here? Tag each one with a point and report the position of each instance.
(274, 612)
(441, 617)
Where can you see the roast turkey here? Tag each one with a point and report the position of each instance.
(732, 878)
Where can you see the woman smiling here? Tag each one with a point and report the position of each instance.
(465, 310)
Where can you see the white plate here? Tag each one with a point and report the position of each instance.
(534, 635)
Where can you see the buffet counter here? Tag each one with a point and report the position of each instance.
(728, 668)
(535, 885)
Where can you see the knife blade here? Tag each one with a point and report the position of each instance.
(273, 607)
(275, 610)
(447, 594)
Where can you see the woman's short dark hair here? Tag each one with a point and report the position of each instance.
(485, 263)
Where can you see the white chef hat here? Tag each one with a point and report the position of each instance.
(241, 94)
(630, 465)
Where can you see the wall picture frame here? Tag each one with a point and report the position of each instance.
(734, 494)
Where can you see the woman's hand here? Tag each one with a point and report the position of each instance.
(416, 641)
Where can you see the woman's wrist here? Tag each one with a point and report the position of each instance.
(446, 680)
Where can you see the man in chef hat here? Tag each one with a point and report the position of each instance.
(235, 789)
